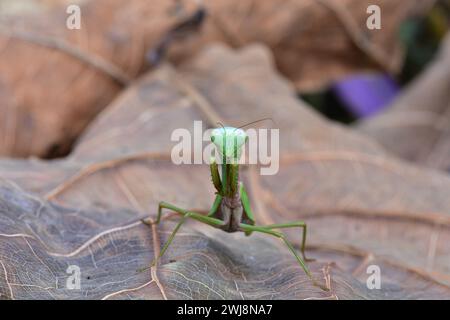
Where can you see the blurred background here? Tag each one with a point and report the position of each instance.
(365, 94)
(341, 67)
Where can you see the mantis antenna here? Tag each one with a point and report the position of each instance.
(220, 123)
(253, 122)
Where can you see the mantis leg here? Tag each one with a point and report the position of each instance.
(214, 168)
(262, 229)
(165, 205)
(246, 204)
(196, 216)
(294, 224)
(300, 224)
(186, 214)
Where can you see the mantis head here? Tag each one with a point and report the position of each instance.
(229, 142)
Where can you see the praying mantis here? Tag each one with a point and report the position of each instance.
(231, 210)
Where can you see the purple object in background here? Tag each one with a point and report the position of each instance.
(366, 94)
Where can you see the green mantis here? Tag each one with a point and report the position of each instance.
(231, 210)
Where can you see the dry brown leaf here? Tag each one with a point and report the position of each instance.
(417, 126)
(53, 80)
(110, 246)
(362, 206)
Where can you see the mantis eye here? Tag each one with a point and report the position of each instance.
(213, 138)
(246, 138)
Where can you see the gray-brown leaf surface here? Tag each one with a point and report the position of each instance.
(362, 206)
